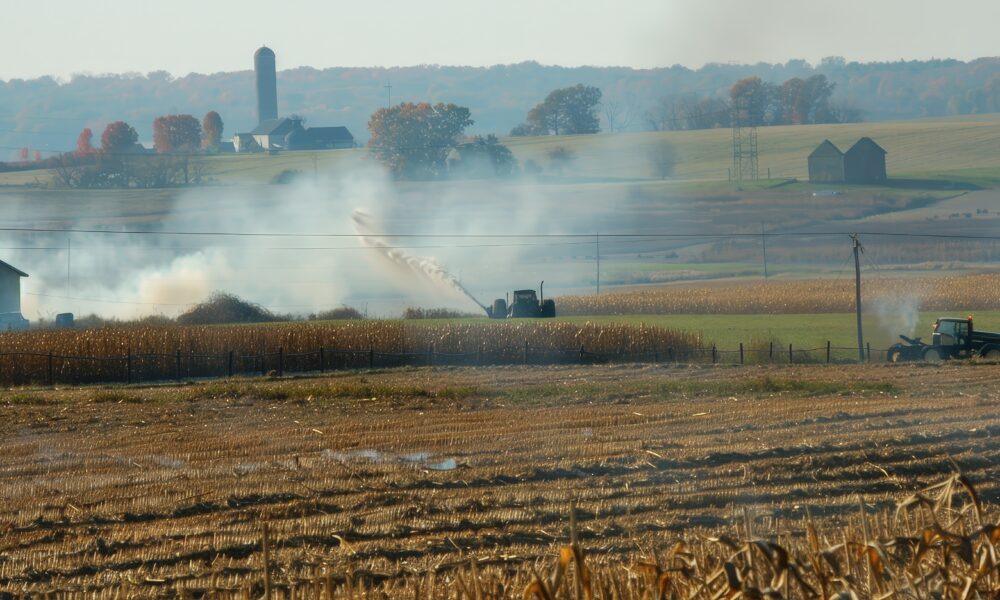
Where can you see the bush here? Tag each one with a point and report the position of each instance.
(337, 314)
(226, 308)
(436, 313)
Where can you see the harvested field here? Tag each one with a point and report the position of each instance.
(390, 474)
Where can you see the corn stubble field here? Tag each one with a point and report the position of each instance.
(693, 482)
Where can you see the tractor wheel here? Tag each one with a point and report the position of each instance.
(499, 309)
(933, 355)
(548, 309)
(992, 354)
(895, 354)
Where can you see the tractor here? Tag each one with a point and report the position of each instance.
(524, 304)
(952, 338)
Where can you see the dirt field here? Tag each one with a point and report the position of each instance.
(394, 472)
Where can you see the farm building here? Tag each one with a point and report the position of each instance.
(319, 138)
(826, 163)
(270, 134)
(865, 162)
(10, 298)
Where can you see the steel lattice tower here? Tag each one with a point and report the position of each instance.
(744, 143)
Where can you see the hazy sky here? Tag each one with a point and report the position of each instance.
(63, 37)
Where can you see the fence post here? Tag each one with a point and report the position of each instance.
(371, 357)
(670, 354)
(741, 353)
(430, 355)
(790, 359)
(770, 352)
(525, 352)
(322, 360)
(128, 367)
(229, 365)
(263, 361)
(51, 382)
(479, 355)
(582, 354)
(828, 352)
(281, 361)
(869, 347)
(656, 355)
(177, 365)
(714, 354)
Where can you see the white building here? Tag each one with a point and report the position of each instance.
(10, 298)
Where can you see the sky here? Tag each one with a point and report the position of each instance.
(61, 38)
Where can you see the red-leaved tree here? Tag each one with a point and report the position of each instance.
(211, 125)
(25, 153)
(118, 138)
(85, 143)
(38, 156)
(176, 133)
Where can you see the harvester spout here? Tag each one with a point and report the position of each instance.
(473, 298)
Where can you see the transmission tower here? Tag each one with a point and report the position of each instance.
(744, 143)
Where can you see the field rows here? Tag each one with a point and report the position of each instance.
(405, 471)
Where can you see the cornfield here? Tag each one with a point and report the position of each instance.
(158, 352)
(972, 292)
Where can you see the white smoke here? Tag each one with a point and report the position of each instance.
(897, 313)
(361, 264)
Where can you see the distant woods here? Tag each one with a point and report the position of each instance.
(121, 161)
(754, 102)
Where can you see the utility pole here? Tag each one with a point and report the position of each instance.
(598, 263)
(857, 293)
(388, 88)
(69, 259)
(763, 246)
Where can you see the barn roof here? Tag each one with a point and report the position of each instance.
(12, 268)
(827, 148)
(319, 135)
(276, 127)
(866, 142)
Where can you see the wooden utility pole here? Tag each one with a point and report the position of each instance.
(857, 293)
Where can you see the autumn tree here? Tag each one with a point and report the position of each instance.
(24, 154)
(663, 159)
(569, 110)
(414, 140)
(85, 143)
(754, 101)
(176, 133)
(119, 138)
(211, 125)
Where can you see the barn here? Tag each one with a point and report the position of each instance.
(865, 162)
(826, 164)
(319, 138)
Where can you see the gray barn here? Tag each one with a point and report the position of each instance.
(826, 164)
(865, 162)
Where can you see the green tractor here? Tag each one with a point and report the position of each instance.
(524, 305)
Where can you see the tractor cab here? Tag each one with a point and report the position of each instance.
(953, 337)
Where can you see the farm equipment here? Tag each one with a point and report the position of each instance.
(524, 304)
(952, 338)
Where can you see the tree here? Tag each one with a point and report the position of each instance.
(24, 154)
(211, 125)
(176, 133)
(569, 110)
(485, 157)
(118, 138)
(663, 159)
(754, 101)
(84, 143)
(414, 140)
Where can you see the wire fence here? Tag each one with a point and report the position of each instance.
(26, 368)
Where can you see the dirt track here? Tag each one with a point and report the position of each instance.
(406, 469)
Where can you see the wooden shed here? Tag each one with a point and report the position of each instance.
(865, 162)
(826, 164)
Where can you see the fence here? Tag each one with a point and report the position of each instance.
(21, 368)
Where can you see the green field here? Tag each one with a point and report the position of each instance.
(959, 148)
